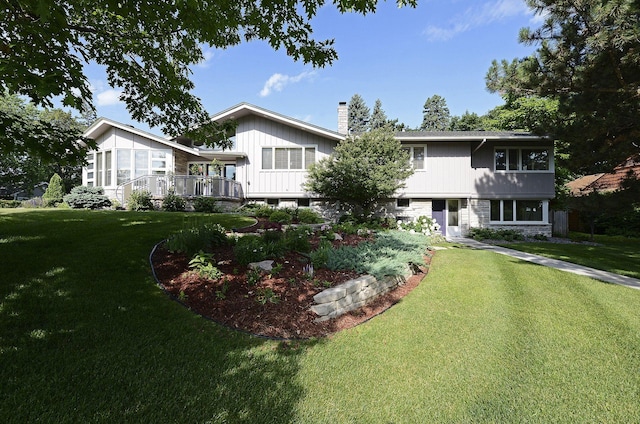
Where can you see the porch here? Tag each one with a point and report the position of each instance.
(182, 185)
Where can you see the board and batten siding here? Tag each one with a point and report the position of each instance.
(447, 172)
(252, 134)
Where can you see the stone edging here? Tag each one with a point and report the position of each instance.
(353, 294)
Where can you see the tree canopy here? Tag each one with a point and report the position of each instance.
(588, 60)
(147, 47)
(361, 171)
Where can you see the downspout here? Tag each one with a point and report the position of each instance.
(484, 140)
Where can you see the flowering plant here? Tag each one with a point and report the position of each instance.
(420, 225)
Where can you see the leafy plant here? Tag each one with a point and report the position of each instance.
(202, 263)
(221, 293)
(253, 277)
(298, 239)
(266, 295)
(83, 197)
(320, 256)
(173, 203)
(249, 249)
(495, 234)
(422, 225)
(281, 217)
(206, 205)
(140, 200)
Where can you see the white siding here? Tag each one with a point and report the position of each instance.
(252, 134)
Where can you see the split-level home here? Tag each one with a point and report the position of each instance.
(462, 179)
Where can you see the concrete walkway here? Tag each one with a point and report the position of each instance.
(597, 274)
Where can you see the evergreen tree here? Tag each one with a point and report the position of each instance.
(436, 114)
(466, 122)
(55, 192)
(359, 115)
(378, 117)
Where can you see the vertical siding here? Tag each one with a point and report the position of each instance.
(252, 134)
(447, 174)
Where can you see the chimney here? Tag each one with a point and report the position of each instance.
(343, 118)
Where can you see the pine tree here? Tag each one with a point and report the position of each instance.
(436, 116)
(378, 117)
(359, 115)
(54, 192)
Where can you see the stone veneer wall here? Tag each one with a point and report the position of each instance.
(353, 294)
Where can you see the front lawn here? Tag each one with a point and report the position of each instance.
(87, 336)
(614, 254)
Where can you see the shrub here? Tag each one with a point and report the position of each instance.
(83, 197)
(140, 200)
(36, 202)
(55, 191)
(495, 234)
(249, 249)
(173, 203)
(421, 225)
(263, 211)
(320, 256)
(10, 203)
(192, 240)
(298, 239)
(206, 204)
(309, 216)
(202, 263)
(280, 216)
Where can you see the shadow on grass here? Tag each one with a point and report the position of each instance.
(86, 336)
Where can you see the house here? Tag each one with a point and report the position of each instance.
(462, 179)
(606, 182)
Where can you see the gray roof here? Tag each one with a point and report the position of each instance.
(467, 135)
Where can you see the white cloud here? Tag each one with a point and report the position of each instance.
(208, 54)
(478, 16)
(277, 82)
(108, 97)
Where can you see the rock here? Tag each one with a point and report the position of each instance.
(262, 266)
(337, 236)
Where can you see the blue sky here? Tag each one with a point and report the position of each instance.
(401, 56)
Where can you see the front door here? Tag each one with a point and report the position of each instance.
(439, 214)
(453, 217)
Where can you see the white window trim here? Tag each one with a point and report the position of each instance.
(545, 212)
(411, 155)
(273, 157)
(520, 149)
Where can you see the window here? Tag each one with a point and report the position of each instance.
(90, 170)
(528, 159)
(141, 163)
(402, 203)
(519, 210)
(107, 168)
(123, 165)
(304, 203)
(99, 169)
(416, 156)
(288, 158)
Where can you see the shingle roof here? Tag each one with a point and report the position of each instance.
(605, 182)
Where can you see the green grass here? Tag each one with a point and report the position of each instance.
(86, 336)
(614, 254)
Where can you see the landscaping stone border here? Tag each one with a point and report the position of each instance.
(353, 294)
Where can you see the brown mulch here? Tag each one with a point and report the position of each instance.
(278, 305)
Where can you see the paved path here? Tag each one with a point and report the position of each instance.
(597, 274)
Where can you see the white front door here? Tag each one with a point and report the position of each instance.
(453, 218)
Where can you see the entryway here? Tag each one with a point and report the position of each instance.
(446, 212)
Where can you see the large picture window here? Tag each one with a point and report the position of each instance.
(525, 159)
(519, 211)
(282, 158)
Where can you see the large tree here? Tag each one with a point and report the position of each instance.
(588, 60)
(148, 48)
(436, 115)
(29, 151)
(359, 115)
(361, 171)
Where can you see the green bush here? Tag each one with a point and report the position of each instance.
(83, 197)
(140, 200)
(10, 203)
(263, 211)
(297, 239)
(309, 216)
(495, 234)
(54, 193)
(206, 205)
(249, 249)
(192, 240)
(320, 256)
(173, 203)
(280, 216)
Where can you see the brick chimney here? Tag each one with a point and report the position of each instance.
(343, 118)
